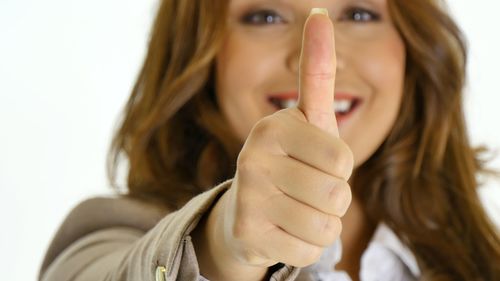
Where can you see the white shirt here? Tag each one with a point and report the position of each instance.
(386, 257)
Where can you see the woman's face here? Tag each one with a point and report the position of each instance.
(257, 68)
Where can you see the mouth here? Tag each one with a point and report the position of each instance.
(344, 104)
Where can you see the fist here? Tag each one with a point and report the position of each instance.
(290, 189)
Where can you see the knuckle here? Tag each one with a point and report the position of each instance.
(339, 197)
(248, 167)
(310, 255)
(242, 159)
(343, 160)
(265, 127)
(328, 226)
(246, 163)
(329, 231)
(324, 75)
(336, 229)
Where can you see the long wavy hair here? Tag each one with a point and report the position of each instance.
(421, 181)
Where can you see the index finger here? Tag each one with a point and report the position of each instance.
(317, 71)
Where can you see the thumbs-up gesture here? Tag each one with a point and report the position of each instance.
(290, 189)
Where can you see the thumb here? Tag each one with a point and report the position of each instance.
(317, 71)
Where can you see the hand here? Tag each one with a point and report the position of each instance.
(290, 189)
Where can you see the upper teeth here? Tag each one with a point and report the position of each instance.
(289, 103)
(339, 105)
(342, 105)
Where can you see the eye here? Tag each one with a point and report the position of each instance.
(360, 15)
(262, 17)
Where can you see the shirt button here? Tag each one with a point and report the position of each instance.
(160, 273)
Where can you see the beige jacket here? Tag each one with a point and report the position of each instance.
(128, 239)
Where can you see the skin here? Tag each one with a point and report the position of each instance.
(291, 186)
(260, 59)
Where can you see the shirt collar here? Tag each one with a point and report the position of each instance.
(387, 238)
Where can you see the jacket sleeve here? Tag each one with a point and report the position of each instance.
(100, 241)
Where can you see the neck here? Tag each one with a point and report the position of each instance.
(355, 236)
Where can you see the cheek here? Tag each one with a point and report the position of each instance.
(232, 65)
(240, 73)
(386, 77)
(387, 67)
(382, 67)
(230, 90)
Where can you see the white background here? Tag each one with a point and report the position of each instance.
(66, 70)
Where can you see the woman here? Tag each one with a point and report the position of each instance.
(216, 99)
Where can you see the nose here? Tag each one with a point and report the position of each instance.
(340, 51)
(293, 58)
(294, 47)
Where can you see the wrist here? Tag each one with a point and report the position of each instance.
(215, 260)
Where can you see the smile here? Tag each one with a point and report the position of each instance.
(343, 106)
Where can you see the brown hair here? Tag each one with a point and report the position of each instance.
(172, 126)
(420, 182)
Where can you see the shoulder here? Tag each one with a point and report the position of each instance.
(132, 218)
(99, 213)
